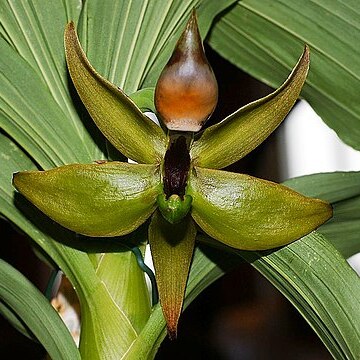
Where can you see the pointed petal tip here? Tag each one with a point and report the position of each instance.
(17, 179)
(172, 331)
(192, 22)
(305, 58)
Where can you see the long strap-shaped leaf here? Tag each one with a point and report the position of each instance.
(172, 247)
(35, 311)
(342, 190)
(37, 61)
(249, 213)
(108, 199)
(320, 284)
(115, 114)
(261, 38)
(223, 144)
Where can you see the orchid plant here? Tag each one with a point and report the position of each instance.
(94, 209)
(177, 171)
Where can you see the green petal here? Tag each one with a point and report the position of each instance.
(172, 247)
(252, 214)
(223, 144)
(114, 113)
(108, 199)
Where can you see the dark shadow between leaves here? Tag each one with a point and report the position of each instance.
(225, 256)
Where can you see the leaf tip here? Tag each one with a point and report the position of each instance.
(172, 331)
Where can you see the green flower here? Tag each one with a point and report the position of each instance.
(176, 181)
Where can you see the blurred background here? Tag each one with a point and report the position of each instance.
(241, 316)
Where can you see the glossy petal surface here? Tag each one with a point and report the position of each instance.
(252, 214)
(223, 144)
(106, 199)
(114, 113)
(186, 93)
(172, 247)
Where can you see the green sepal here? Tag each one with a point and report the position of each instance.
(249, 213)
(172, 247)
(227, 142)
(106, 199)
(113, 112)
(174, 209)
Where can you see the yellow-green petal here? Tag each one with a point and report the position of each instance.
(107, 199)
(223, 144)
(172, 247)
(114, 113)
(252, 214)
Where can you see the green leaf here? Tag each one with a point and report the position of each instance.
(223, 144)
(342, 190)
(125, 282)
(172, 247)
(251, 214)
(29, 116)
(144, 99)
(42, 319)
(262, 37)
(130, 41)
(44, 121)
(320, 284)
(15, 321)
(107, 332)
(107, 199)
(118, 118)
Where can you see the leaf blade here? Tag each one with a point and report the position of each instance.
(20, 295)
(36, 38)
(342, 190)
(330, 29)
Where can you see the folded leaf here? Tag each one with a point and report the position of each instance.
(36, 313)
(172, 247)
(114, 113)
(342, 190)
(144, 99)
(252, 214)
(106, 199)
(223, 144)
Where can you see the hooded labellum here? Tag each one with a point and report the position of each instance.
(186, 92)
(177, 182)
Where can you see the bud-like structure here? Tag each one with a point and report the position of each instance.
(186, 92)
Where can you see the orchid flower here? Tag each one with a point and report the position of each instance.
(176, 181)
